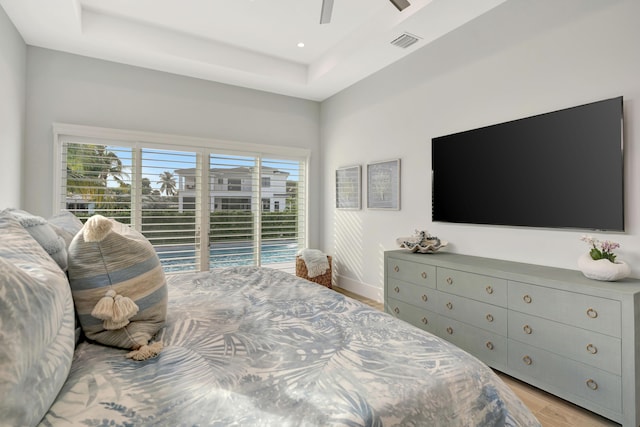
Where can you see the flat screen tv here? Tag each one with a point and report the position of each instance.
(562, 169)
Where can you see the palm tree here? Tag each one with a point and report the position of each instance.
(111, 166)
(94, 164)
(89, 167)
(168, 184)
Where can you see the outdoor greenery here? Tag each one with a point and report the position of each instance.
(89, 167)
(170, 227)
(168, 182)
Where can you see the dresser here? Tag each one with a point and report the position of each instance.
(553, 328)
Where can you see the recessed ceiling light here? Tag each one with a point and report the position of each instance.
(300, 44)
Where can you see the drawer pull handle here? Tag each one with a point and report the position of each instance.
(425, 298)
(396, 310)
(450, 280)
(527, 299)
(489, 318)
(592, 384)
(527, 360)
(450, 330)
(592, 313)
(396, 269)
(397, 289)
(527, 329)
(425, 320)
(489, 345)
(489, 289)
(450, 306)
(592, 349)
(424, 274)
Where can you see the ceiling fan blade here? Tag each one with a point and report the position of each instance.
(325, 14)
(401, 4)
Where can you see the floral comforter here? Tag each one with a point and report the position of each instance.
(250, 346)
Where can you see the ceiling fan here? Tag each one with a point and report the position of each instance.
(327, 7)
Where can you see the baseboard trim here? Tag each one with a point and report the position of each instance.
(360, 288)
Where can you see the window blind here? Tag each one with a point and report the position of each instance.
(282, 227)
(97, 179)
(233, 235)
(169, 218)
(199, 208)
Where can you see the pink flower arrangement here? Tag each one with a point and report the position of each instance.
(601, 249)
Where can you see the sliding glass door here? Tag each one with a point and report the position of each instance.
(200, 208)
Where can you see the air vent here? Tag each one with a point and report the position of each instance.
(405, 40)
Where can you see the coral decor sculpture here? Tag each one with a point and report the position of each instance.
(421, 242)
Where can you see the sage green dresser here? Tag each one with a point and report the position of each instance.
(552, 328)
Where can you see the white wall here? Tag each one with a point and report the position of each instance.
(13, 62)
(79, 90)
(523, 58)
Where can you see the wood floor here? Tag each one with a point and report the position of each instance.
(550, 410)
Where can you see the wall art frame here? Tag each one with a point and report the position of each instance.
(383, 185)
(349, 187)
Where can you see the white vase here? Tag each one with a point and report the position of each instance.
(603, 269)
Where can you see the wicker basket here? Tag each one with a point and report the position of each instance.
(323, 279)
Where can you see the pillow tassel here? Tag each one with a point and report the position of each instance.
(104, 308)
(96, 228)
(112, 325)
(123, 308)
(146, 351)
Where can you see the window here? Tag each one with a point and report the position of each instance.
(266, 182)
(157, 188)
(235, 184)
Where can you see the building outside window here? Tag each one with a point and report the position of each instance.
(239, 187)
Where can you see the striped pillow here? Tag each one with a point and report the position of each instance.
(118, 286)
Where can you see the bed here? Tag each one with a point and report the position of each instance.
(250, 346)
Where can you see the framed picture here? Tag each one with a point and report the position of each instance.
(348, 183)
(383, 185)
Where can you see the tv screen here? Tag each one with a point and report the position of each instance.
(559, 169)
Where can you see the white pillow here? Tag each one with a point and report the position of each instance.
(37, 336)
(44, 234)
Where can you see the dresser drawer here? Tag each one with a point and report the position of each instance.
(412, 272)
(584, 311)
(536, 365)
(423, 319)
(476, 286)
(592, 348)
(413, 294)
(489, 347)
(480, 314)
